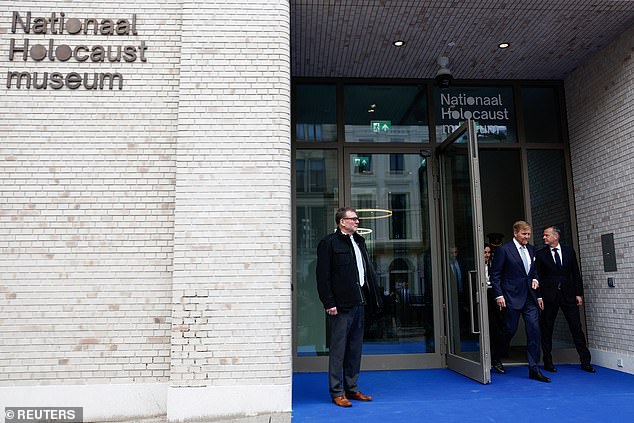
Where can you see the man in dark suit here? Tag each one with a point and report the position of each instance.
(561, 286)
(516, 289)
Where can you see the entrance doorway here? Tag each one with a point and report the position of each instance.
(375, 151)
(424, 227)
(420, 214)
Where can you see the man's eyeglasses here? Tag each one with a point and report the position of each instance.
(354, 219)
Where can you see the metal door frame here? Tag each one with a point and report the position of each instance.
(480, 371)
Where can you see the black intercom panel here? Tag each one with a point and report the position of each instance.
(609, 255)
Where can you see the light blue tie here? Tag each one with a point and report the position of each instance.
(526, 259)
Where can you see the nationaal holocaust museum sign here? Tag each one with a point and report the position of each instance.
(59, 47)
(491, 107)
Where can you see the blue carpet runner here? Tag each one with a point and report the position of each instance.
(441, 395)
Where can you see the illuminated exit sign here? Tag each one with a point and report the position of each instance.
(381, 126)
(361, 162)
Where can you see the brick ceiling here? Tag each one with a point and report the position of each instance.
(548, 38)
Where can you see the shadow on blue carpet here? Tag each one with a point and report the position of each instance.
(440, 395)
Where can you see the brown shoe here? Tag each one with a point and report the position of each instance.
(342, 401)
(359, 396)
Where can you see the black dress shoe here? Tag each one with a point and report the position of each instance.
(538, 376)
(588, 368)
(498, 367)
(550, 368)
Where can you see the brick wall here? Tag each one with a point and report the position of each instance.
(232, 255)
(600, 105)
(146, 231)
(231, 334)
(232, 242)
(87, 212)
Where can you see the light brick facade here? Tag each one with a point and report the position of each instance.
(600, 104)
(146, 232)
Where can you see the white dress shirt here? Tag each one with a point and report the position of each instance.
(357, 254)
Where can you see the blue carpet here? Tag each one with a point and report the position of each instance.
(440, 395)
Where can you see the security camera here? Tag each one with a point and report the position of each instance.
(443, 80)
(443, 76)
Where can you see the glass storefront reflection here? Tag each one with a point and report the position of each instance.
(390, 194)
(460, 262)
(549, 194)
(542, 122)
(315, 111)
(550, 206)
(386, 113)
(317, 199)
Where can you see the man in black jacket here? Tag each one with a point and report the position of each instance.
(561, 286)
(346, 283)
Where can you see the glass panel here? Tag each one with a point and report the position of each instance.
(549, 194)
(461, 255)
(502, 205)
(394, 211)
(315, 113)
(399, 207)
(541, 114)
(491, 108)
(317, 200)
(550, 206)
(502, 194)
(386, 113)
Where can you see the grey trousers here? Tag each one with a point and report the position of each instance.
(346, 342)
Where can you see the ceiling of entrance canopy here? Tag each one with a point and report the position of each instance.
(547, 39)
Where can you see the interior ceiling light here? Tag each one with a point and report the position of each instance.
(399, 43)
(364, 231)
(504, 45)
(369, 214)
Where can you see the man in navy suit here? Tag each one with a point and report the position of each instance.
(561, 286)
(517, 290)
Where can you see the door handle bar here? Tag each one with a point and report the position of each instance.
(471, 274)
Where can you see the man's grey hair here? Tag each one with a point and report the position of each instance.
(555, 230)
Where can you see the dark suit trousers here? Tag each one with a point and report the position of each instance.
(346, 342)
(571, 313)
(530, 312)
(496, 322)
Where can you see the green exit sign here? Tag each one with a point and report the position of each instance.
(362, 162)
(381, 126)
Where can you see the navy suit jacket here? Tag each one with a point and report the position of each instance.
(509, 279)
(550, 276)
